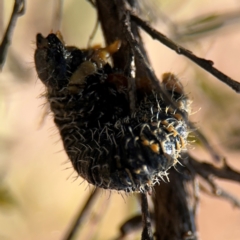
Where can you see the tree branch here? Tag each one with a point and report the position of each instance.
(146, 219)
(175, 204)
(206, 170)
(205, 64)
(18, 10)
(220, 193)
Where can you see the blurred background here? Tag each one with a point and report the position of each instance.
(39, 192)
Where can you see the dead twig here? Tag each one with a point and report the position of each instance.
(175, 206)
(57, 15)
(130, 226)
(204, 25)
(18, 10)
(84, 212)
(205, 64)
(206, 170)
(147, 229)
(220, 193)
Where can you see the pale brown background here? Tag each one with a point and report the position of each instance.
(33, 165)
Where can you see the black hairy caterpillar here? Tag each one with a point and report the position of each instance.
(108, 145)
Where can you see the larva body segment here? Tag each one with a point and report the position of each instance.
(108, 145)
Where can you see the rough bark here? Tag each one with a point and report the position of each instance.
(174, 208)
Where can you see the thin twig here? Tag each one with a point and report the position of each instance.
(57, 15)
(147, 228)
(206, 24)
(83, 213)
(130, 226)
(95, 219)
(175, 206)
(92, 3)
(134, 44)
(205, 64)
(18, 10)
(206, 170)
(1, 17)
(220, 193)
(93, 33)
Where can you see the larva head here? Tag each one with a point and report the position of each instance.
(49, 60)
(54, 62)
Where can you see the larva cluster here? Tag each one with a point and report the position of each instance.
(108, 145)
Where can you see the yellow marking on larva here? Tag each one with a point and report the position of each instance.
(168, 110)
(170, 128)
(165, 122)
(175, 133)
(178, 116)
(101, 55)
(114, 47)
(155, 147)
(145, 142)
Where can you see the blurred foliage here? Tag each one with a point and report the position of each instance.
(7, 200)
(205, 25)
(219, 98)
